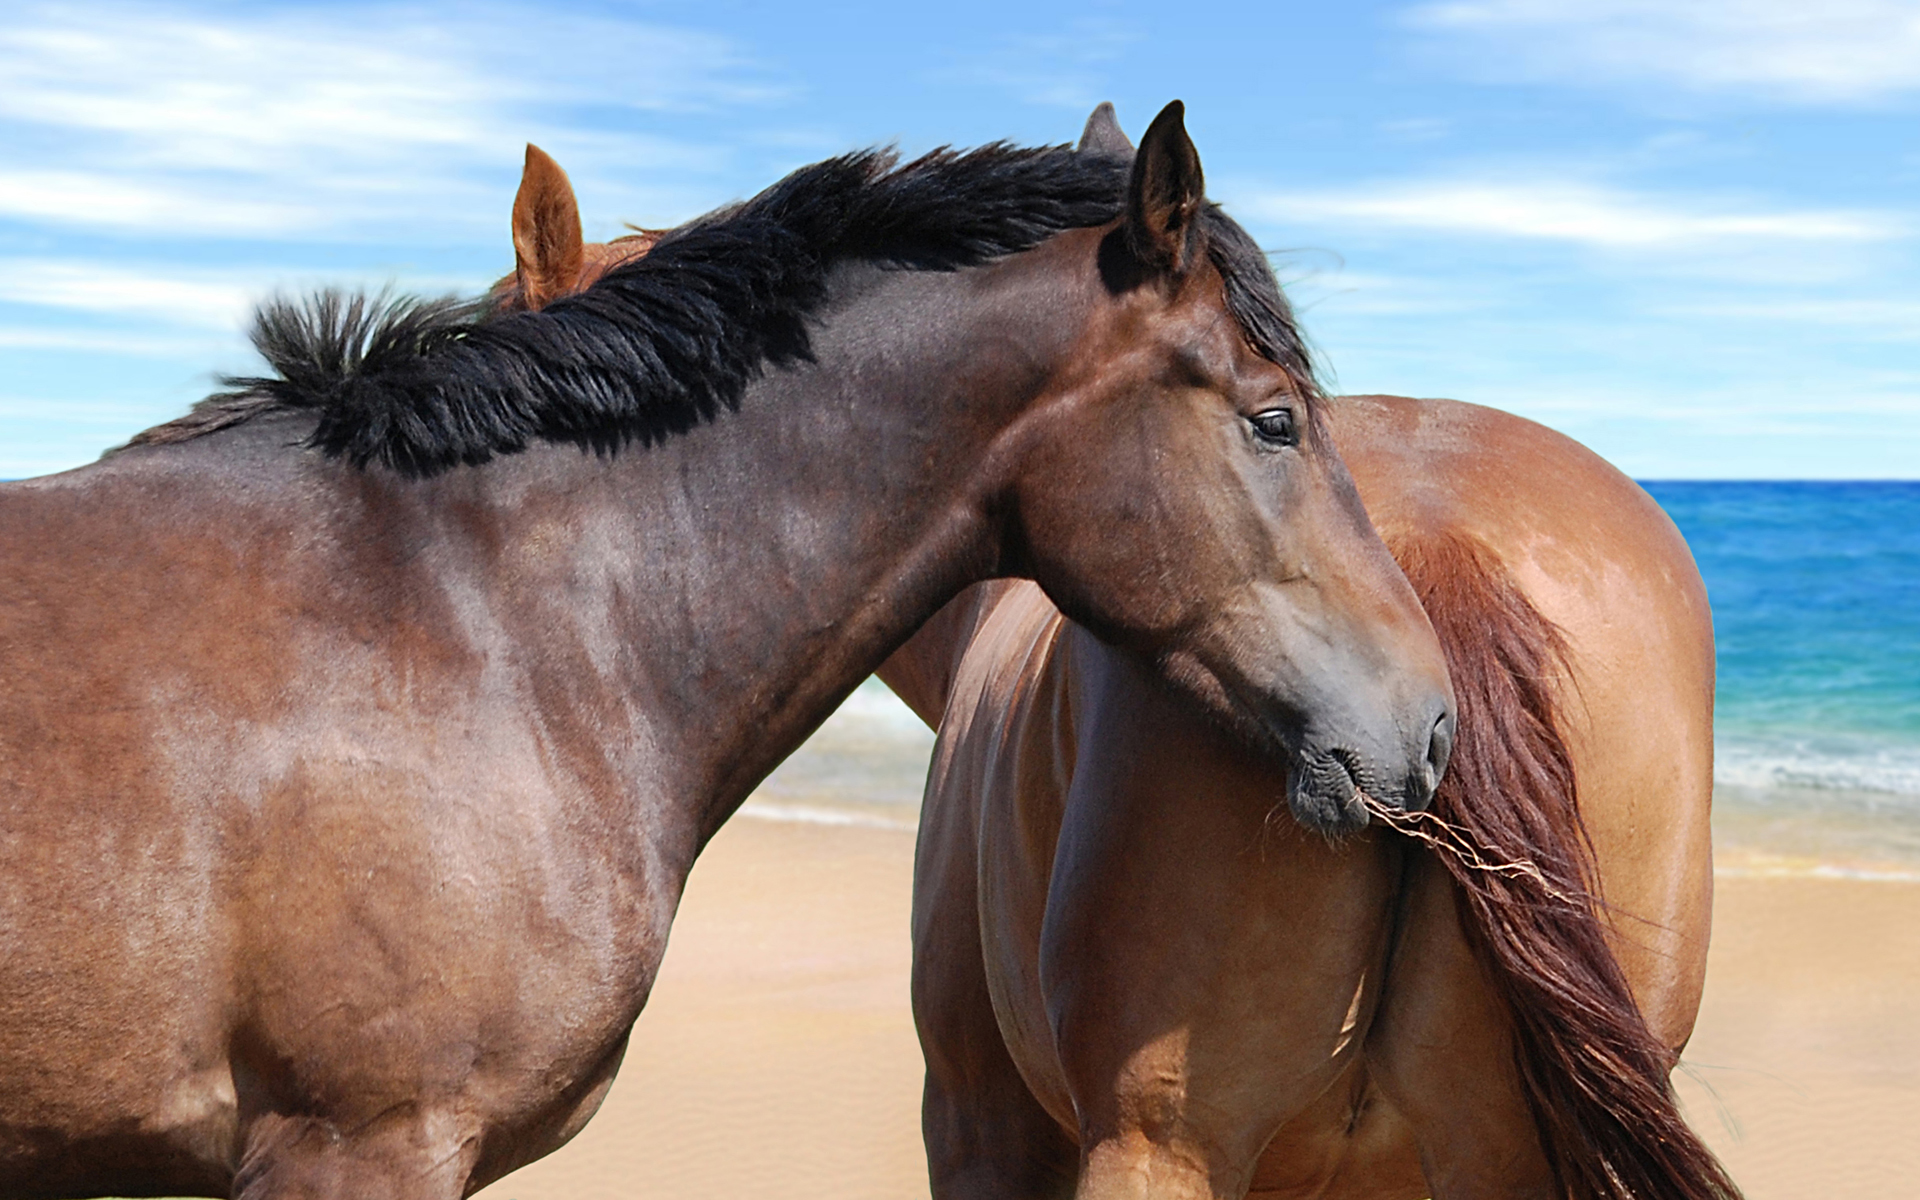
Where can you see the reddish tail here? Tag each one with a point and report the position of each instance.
(1596, 1076)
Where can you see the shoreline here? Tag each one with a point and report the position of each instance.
(1785, 832)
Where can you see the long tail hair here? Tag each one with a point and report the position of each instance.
(1596, 1077)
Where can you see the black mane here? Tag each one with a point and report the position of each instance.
(668, 340)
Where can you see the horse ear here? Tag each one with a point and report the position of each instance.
(1103, 134)
(547, 252)
(1166, 195)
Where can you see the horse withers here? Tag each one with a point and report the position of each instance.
(358, 730)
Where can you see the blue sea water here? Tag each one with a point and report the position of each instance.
(1815, 590)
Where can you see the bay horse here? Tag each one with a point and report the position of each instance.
(1130, 978)
(1133, 977)
(358, 729)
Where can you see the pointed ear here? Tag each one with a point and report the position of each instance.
(547, 250)
(1103, 135)
(1166, 196)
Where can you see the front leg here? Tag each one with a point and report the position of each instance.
(1209, 967)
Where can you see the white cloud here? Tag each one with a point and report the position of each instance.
(1344, 293)
(170, 298)
(1830, 52)
(110, 341)
(135, 203)
(1865, 318)
(170, 119)
(83, 412)
(1582, 214)
(1417, 129)
(194, 299)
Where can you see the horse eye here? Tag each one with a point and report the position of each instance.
(1275, 427)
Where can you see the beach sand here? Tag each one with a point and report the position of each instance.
(777, 1055)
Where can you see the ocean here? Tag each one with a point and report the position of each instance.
(1816, 600)
(1815, 590)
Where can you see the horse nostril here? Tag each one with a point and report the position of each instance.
(1439, 750)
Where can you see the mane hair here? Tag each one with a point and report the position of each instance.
(1596, 1077)
(1258, 305)
(671, 339)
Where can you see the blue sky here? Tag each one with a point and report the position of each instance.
(1684, 233)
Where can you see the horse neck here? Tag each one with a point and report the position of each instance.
(748, 573)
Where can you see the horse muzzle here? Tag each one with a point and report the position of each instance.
(1334, 789)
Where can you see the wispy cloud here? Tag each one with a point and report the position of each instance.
(168, 119)
(108, 341)
(168, 297)
(1832, 52)
(122, 201)
(195, 299)
(1365, 293)
(84, 412)
(1582, 214)
(1874, 319)
(1068, 69)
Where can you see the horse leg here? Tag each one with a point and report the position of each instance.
(397, 1156)
(1442, 1053)
(986, 1135)
(1210, 966)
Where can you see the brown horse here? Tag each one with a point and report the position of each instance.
(1131, 979)
(1128, 974)
(358, 730)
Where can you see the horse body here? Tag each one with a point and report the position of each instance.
(1133, 977)
(344, 809)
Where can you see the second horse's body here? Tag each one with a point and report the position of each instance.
(1134, 975)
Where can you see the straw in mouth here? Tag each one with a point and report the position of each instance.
(1460, 845)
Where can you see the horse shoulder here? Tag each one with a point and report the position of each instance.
(1001, 768)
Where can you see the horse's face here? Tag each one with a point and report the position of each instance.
(1177, 495)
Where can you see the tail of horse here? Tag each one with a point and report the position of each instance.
(1596, 1077)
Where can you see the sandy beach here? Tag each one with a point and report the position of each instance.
(778, 1058)
(777, 1055)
